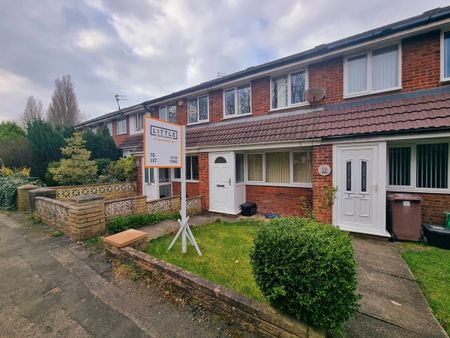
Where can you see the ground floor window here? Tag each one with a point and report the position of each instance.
(282, 167)
(419, 166)
(191, 169)
(239, 163)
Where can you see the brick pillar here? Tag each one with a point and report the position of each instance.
(203, 179)
(86, 217)
(322, 154)
(182, 112)
(22, 196)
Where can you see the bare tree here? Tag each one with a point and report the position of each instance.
(33, 111)
(63, 111)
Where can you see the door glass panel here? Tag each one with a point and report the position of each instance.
(239, 168)
(164, 175)
(165, 190)
(220, 159)
(348, 176)
(363, 176)
(149, 175)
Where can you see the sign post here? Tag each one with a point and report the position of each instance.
(165, 147)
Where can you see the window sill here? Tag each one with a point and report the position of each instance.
(287, 185)
(367, 93)
(234, 116)
(200, 122)
(417, 190)
(121, 133)
(303, 104)
(177, 180)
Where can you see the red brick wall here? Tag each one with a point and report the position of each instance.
(216, 105)
(329, 75)
(182, 113)
(192, 189)
(118, 139)
(322, 154)
(203, 179)
(261, 96)
(285, 201)
(421, 61)
(433, 207)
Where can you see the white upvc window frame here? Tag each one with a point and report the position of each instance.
(291, 182)
(118, 123)
(369, 56)
(413, 168)
(174, 179)
(442, 57)
(166, 107)
(289, 93)
(109, 127)
(237, 107)
(137, 117)
(198, 113)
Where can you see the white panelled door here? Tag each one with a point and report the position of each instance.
(359, 175)
(221, 182)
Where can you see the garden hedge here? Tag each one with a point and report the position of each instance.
(308, 270)
(123, 223)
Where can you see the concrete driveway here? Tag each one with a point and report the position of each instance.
(52, 287)
(392, 303)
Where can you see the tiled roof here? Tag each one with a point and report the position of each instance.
(416, 111)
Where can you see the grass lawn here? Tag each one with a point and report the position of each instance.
(225, 248)
(431, 267)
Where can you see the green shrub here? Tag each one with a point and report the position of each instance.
(124, 169)
(136, 221)
(8, 189)
(308, 270)
(102, 164)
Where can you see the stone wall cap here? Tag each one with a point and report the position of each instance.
(125, 238)
(42, 189)
(85, 198)
(28, 187)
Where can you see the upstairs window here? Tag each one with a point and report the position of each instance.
(139, 122)
(168, 113)
(122, 126)
(109, 126)
(288, 90)
(198, 110)
(375, 71)
(445, 55)
(237, 101)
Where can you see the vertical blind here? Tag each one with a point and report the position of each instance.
(357, 74)
(432, 165)
(277, 167)
(302, 167)
(400, 166)
(385, 68)
(279, 92)
(446, 54)
(255, 167)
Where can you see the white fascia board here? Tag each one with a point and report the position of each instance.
(398, 137)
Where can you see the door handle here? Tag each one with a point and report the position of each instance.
(220, 185)
(229, 181)
(356, 195)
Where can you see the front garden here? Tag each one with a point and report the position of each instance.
(431, 268)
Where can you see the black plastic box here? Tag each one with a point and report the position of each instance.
(248, 209)
(437, 236)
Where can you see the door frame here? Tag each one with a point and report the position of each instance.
(380, 167)
(232, 164)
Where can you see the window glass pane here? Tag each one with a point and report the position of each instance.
(177, 173)
(244, 100)
(139, 121)
(229, 102)
(146, 178)
(109, 126)
(203, 108)
(400, 166)
(188, 168)
(239, 168)
(348, 176)
(165, 190)
(194, 167)
(298, 87)
(163, 113)
(220, 159)
(122, 126)
(149, 175)
(164, 175)
(302, 167)
(446, 54)
(432, 165)
(255, 167)
(363, 176)
(172, 112)
(277, 167)
(385, 68)
(279, 92)
(152, 175)
(192, 109)
(357, 74)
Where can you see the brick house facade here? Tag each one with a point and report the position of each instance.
(372, 139)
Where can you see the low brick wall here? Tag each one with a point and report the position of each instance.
(79, 218)
(251, 315)
(108, 191)
(193, 205)
(125, 206)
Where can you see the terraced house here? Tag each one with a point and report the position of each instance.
(368, 114)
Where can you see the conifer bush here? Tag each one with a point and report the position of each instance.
(308, 270)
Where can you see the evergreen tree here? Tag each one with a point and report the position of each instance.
(101, 144)
(76, 167)
(15, 149)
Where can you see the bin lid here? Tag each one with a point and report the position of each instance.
(403, 197)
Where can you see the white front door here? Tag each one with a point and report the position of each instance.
(221, 182)
(359, 174)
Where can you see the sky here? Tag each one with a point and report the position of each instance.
(145, 49)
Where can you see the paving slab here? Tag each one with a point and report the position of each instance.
(125, 238)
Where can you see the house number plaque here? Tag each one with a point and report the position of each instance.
(324, 170)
